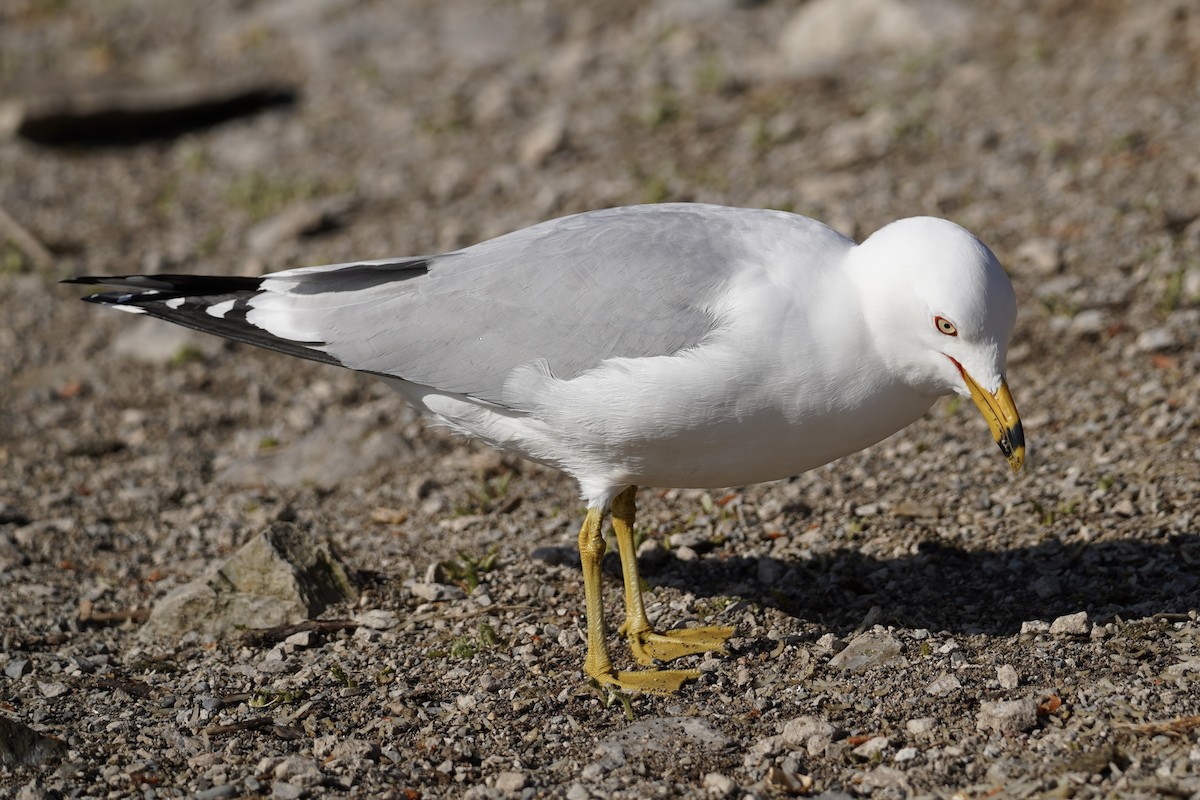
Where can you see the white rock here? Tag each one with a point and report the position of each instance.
(377, 619)
(906, 754)
(867, 650)
(1071, 624)
(1007, 676)
(1041, 256)
(547, 136)
(1089, 322)
(811, 733)
(920, 726)
(946, 684)
(511, 782)
(719, 785)
(871, 747)
(824, 33)
(1155, 339)
(1007, 716)
(52, 688)
(300, 639)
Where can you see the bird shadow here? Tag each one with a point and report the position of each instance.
(941, 587)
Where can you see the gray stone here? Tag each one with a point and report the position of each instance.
(885, 777)
(151, 341)
(1007, 716)
(578, 791)
(348, 749)
(287, 791)
(339, 448)
(811, 733)
(658, 734)
(22, 746)
(17, 667)
(52, 688)
(866, 651)
(279, 577)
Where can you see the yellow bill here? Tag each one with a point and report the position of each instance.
(1001, 414)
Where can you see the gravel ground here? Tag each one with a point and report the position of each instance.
(912, 621)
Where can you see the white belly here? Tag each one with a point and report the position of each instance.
(671, 424)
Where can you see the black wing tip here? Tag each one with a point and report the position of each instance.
(178, 285)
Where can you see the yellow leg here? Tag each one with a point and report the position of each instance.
(598, 664)
(647, 645)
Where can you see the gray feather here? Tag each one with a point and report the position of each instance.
(570, 293)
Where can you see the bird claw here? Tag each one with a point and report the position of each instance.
(652, 681)
(650, 647)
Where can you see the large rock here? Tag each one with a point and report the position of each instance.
(825, 33)
(279, 577)
(22, 746)
(341, 447)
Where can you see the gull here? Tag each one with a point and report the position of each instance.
(669, 345)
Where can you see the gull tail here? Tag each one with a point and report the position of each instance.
(209, 303)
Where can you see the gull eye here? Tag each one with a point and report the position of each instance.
(945, 326)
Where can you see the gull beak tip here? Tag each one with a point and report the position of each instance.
(1001, 414)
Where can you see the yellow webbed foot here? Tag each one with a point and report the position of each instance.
(649, 646)
(654, 681)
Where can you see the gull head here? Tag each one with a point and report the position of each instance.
(941, 309)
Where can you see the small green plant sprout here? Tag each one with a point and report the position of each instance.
(466, 569)
(463, 647)
(265, 698)
(339, 675)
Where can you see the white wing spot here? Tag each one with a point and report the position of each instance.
(220, 309)
(175, 302)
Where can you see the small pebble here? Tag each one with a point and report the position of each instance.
(719, 785)
(943, 686)
(511, 782)
(920, 726)
(1007, 676)
(1071, 624)
(17, 668)
(1007, 716)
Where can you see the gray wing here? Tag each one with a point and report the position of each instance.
(570, 293)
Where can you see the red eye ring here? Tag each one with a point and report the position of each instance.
(945, 326)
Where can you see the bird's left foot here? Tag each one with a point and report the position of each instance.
(649, 647)
(653, 681)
